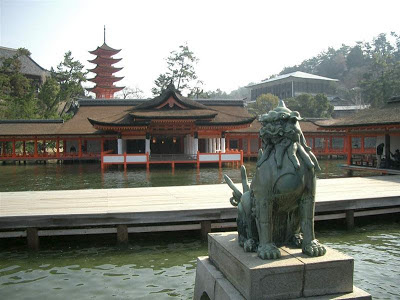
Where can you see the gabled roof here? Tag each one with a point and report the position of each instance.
(28, 65)
(166, 95)
(296, 74)
(169, 105)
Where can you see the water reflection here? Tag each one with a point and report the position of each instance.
(34, 177)
(164, 264)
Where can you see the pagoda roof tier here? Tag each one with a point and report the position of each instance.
(105, 70)
(99, 89)
(105, 50)
(107, 61)
(98, 79)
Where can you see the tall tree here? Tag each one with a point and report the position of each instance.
(311, 106)
(17, 93)
(263, 104)
(49, 99)
(180, 72)
(70, 75)
(130, 92)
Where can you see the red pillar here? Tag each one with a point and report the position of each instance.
(102, 153)
(44, 148)
(80, 147)
(228, 143)
(58, 147)
(349, 149)
(35, 152)
(326, 140)
(23, 148)
(362, 145)
(13, 148)
(64, 147)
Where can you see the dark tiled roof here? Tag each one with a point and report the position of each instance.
(221, 102)
(80, 124)
(110, 102)
(174, 114)
(306, 127)
(171, 92)
(28, 65)
(389, 114)
(105, 47)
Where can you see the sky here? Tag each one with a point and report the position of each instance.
(237, 42)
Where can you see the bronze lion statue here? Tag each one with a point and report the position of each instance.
(278, 207)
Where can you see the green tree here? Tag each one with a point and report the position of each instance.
(310, 106)
(70, 75)
(48, 97)
(17, 93)
(263, 104)
(180, 72)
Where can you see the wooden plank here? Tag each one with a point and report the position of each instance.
(106, 207)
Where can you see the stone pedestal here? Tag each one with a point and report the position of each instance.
(230, 273)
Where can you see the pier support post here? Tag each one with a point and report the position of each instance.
(350, 219)
(205, 230)
(122, 234)
(32, 238)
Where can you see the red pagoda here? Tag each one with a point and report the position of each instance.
(104, 70)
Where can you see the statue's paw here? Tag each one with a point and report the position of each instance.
(314, 248)
(250, 246)
(268, 251)
(298, 240)
(241, 240)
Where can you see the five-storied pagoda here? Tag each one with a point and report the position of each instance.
(104, 70)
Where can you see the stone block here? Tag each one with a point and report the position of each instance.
(356, 294)
(328, 274)
(211, 282)
(253, 277)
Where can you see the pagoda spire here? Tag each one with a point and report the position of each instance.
(104, 70)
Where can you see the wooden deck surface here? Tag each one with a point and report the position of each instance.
(173, 204)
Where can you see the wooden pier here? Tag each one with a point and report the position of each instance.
(199, 207)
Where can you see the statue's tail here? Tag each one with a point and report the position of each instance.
(236, 195)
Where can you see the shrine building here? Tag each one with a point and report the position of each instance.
(169, 128)
(367, 129)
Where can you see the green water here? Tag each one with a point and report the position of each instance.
(161, 266)
(93, 268)
(33, 177)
